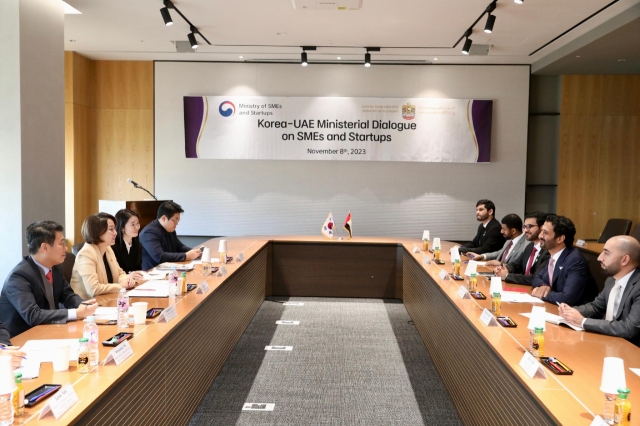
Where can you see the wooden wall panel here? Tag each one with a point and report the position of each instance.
(599, 151)
(582, 94)
(109, 134)
(579, 148)
(124, 84)
(124, 149)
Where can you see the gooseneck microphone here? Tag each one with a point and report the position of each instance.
(136, 185)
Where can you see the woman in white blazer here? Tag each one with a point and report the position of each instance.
(96, 270)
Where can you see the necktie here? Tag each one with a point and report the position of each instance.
(613, 302)
(530, 261)
(506, 251)
(552, 264)
(49, 277)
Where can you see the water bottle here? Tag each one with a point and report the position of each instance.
(6, 409)
(90, 332)
(173, 282)
(123, 309)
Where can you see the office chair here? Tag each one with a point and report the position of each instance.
(615, 227)
(67, 266)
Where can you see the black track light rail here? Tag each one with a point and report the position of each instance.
(490, 8)
(169, 4)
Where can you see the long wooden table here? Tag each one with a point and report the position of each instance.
(174, 364)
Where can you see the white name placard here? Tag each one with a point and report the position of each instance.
(120, 353)
(487, 318)
(278, 348)
(168, 314)
(222, 271)
(426, 260)
(463, 293)
(599, 421)
(240, 257)
(416, 249)
(60, 402)
(203, 288)
(443, 275)
(293, 303)
(531, 366)
(288, 322)
(258, 406)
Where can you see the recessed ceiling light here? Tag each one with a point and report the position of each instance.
(241, 57)
(435, 59)
(578, 56)
(338, 57)
(72, 41)
(282, 33)
(621, 60)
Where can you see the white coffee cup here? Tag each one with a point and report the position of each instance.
(60, 357)
(139, 312)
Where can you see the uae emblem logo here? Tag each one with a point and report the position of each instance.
(408, 111)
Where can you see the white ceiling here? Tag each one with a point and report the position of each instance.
(406, 30)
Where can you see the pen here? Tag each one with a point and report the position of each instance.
(88, 304)
(4, 348)
(561, 364)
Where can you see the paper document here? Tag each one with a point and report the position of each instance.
(29, 369)
(154, 275)
(179, 266)
(517, 297)
(158, 288)
(635, 370)
(40, 350)
(106, 313)
(554, 319)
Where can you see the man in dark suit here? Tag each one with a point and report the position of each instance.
(616, 310)
(36, 292)
(489, 237)
(533, 259)
(159, 240)
(567, 278)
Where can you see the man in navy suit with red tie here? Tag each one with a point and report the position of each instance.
(567, 278)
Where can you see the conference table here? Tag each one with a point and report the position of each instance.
(174, 364)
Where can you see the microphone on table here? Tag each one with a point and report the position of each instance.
(136, 185)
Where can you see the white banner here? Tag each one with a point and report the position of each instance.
(332, 128)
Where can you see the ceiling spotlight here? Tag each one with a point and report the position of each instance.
(303, 59)
(166, 16)
(367, 59)
(467, 46)
(193, 41)
(338, 58)
(518, 1)
(435, 59)
(241, 57)
(491, 19)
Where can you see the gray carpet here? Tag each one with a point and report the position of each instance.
(354, 362)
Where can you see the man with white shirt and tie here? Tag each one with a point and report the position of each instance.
(534, 257)
(616, 310)
(567, 278)
(512, 248)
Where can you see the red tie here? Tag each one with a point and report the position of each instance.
(506, 251)
(530, 261)
(49, 277)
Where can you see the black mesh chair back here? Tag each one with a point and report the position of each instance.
(636, 232)
(615, 227)
(76, 248)
(67, 266)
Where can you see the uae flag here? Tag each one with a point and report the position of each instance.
(347, 225)
(327, 228)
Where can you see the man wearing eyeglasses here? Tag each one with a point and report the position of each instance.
(533, 259)
(159, 240)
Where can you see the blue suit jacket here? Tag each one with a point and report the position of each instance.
(159, 246)
(572, 284)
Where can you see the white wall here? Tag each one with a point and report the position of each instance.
(31, 120)
(250, 197)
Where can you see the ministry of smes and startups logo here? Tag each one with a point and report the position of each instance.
(227, 109)
(408, 111)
